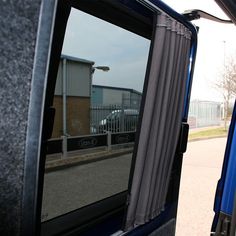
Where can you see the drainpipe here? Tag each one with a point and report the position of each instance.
(64, 137)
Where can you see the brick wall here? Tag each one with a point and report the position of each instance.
(78, 116)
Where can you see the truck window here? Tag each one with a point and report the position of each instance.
(100, 78)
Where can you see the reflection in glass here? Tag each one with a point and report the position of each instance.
(97, 100)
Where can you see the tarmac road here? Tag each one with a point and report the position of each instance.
(78, 186)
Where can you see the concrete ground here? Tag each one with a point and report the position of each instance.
(201, 171)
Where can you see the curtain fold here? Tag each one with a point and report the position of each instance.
(161, 122)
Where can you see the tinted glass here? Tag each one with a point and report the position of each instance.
(100, 76)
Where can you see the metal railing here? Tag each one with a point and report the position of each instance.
(113, 118)
(205, 113)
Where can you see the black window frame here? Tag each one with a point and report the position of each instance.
(129, 15)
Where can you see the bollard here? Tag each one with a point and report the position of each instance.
(64, 146)
(109, 141)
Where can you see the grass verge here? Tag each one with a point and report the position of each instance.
(208, 133)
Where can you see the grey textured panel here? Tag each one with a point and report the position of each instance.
(167, 229)
(18, 29)
(22, 81)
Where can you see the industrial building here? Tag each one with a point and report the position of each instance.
(74, 80)
(107, 95)
(74, 103)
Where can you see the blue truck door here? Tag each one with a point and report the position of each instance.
(225, 192)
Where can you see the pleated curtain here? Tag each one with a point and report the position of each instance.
(161, 122)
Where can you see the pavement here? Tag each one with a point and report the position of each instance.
(58, 162)
(201, 170)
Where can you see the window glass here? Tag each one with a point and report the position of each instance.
(97, 100)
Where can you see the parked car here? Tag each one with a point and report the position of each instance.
(119, 120)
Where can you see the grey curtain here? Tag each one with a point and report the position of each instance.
(161, 121)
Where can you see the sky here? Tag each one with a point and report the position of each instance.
(216, 43)
(126, 53)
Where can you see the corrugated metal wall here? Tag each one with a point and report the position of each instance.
(115, 96)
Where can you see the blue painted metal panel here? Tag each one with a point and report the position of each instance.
(230, 179)
(225, 174)
(189, 80)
